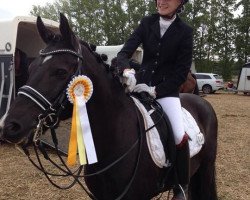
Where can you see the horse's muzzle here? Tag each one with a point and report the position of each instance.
(12, 132)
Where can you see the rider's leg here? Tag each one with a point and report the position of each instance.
(172, 107)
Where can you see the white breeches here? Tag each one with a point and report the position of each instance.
(172, 107)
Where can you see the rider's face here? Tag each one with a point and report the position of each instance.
(167, 7)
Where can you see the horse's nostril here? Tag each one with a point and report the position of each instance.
(13, 127)
(11, 131)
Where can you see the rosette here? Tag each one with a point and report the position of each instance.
(80, 86)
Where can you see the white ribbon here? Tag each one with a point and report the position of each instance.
(86, 130)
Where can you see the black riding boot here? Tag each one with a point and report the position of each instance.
(182, 168)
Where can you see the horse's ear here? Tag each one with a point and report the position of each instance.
(45, 33)
(67, 33)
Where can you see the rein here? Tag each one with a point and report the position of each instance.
(50, 118)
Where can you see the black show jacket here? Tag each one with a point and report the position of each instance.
(167, 60)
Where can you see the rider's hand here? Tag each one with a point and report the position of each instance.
(128, 78)
(145, 88)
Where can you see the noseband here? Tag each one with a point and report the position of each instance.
(35, 96)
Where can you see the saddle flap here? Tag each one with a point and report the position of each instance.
(158, 131)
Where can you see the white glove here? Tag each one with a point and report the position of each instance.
(129, 79)
(145, 88)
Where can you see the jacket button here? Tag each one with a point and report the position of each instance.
(153, 72)
(156, 62)
(158, 54)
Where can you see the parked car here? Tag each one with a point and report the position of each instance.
(209, 82)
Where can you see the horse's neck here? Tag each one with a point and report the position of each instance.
(108, 100)
(108, 113)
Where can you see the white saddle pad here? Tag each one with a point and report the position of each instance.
(153, 139)
(191, 128)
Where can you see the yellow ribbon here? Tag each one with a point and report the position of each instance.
(80, 142)
(72, 151)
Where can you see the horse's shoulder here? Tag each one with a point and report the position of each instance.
(186, 97)
(191, 101)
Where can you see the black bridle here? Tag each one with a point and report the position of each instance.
(49, 118)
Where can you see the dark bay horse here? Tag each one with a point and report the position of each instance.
(113, 119)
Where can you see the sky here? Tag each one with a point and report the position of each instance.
(12, 8)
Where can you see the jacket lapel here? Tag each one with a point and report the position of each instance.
(156, 29)
(173, 29)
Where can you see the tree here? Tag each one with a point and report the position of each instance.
(102, 22)
(242, 40)
(49, 11)
(112, 19)
(197, 14)
(225, 34)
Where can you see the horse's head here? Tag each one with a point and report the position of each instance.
(49, 75)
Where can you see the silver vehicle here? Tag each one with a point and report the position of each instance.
(209, 83)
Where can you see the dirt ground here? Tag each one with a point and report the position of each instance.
(20, 180)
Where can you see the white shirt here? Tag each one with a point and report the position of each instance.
(165, 23)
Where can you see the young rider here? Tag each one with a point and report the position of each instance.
(167, 56)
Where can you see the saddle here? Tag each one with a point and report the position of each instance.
(158, 130)
(160, 138)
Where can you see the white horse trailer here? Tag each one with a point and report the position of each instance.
(244, 79)
(19, 33)
(111, 52)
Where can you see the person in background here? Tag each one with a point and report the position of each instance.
(167, 44)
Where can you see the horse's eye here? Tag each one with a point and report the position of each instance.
(60, 72)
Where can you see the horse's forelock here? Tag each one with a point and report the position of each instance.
(56, 38)
(56, 42)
